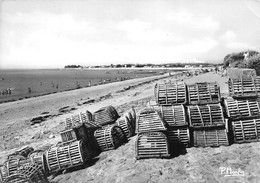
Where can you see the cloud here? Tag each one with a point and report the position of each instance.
(43, 40)
(193, 23)
(144, 32)
(231, 41)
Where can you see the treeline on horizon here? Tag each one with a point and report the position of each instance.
(167, 65)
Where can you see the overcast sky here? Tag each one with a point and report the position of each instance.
(54, 33)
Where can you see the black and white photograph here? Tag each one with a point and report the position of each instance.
(130, 91)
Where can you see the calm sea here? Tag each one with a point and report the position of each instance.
(19, 84)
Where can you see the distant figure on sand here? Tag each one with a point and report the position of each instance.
(89, 83)
(29, 90)
(9, 91)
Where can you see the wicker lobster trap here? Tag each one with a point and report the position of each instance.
(152, 145)
(149, 120)
(106, 115)
(204, 93)
(39, 157)
(130, 118)
(206, 115)
(174, 115)
(13, 165)
(73, 134)
(32, 174)
(244, 87)
(170, 93)
(86, 117)
(126, 125)
(78, 119)
(64, 156)
(110, 137)
(210, 137)
(133, 114)
(178, 136)
(247, 130)
(242, 108)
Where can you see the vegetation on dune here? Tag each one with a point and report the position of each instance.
(254, 63)
(238, 59)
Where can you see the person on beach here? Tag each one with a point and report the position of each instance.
(89, 83)
(29, 90)
(9, 91)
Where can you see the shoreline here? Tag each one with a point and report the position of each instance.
(15, 97)
(73, 89)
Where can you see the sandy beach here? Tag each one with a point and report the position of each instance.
(120, 165)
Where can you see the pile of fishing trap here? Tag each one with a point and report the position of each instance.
(211, 120)
(243, 108)
(82, 139)
(199, 113)
(23, 167)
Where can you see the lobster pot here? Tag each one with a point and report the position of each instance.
(92, 124)
(130, 118)
(3, 172)
(244, 87)
(33, 174)
(204, 93)
(210, 137)
(149, 120)
(75, 120)
(86, 117)
(110, 137)
(152, 145)
(13, 165)
(206, 115)
(68, 123)
(247, 130)
(179, 136)
(106, 115)
(25, 151)
(67, 156)
(174, 115)
(242, 108)
(170, 93)
(77, 133)
(126, 126)
(39, 157)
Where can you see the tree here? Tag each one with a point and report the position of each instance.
(254, 63)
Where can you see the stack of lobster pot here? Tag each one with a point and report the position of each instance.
(206, 116)
(77, 146)
(151, 142)
(243, 108)
(170, 100)
(114, 128)
(20, 169)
